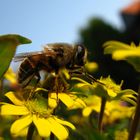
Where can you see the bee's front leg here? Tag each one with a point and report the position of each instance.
(81, 71)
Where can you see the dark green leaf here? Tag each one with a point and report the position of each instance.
(135, 62)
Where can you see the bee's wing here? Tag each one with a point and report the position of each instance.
(21, 56)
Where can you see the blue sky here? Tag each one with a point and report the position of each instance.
(47, 21)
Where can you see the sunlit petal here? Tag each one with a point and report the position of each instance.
(79, 103)
(9, 109)
(86, 111)
(52, 100)
(122, 54)
(57, 129)
(91, 66)
(65, 123)
(22, 133)
(66, 99)
(42, 126)
(12, 97)
(111, 93)
(21, 124)
(80, 85)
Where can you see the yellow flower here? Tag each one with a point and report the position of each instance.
(114, 110)
(106, 87)
(121, 135)
(93, 103)
(110, 86)
(35, 111)
(122, 51)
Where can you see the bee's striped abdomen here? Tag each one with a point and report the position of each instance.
(26, 69)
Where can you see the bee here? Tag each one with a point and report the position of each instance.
(52, 58)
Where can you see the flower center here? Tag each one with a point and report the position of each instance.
(39, 106)
(110, 84)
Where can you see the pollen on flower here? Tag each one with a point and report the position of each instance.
(38, 107)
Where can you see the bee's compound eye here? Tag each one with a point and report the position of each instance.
(80, 55)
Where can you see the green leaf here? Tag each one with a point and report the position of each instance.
(101, 91)
(135, 62)
(8, 44)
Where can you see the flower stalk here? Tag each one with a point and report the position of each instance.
(135, 122)
(30, 131)
(101, 114)
(52, 136)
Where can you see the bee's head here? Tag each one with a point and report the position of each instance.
(80, 55)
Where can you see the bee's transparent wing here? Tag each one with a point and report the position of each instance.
(49, 50)
(21, 56)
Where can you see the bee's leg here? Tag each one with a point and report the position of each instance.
(56, 82)
(64, 83)
(87, 75)
(34, 87)
(27, 81)
(57, 86)
(38, 77)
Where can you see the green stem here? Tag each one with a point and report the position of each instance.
(30, 131)
(91, 119)
(135, 122)
(102, 108)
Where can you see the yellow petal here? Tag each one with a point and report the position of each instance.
(65, 123)
(57, 129)
(42, 126)
(80, 85)
(22, 133)
(9, 109)
(66, 99)
(123, 54)
(86, 111)
(91, 66)
(21, 124)
(111, 93)
(52, 100)
(12, 97)
(79, 103)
